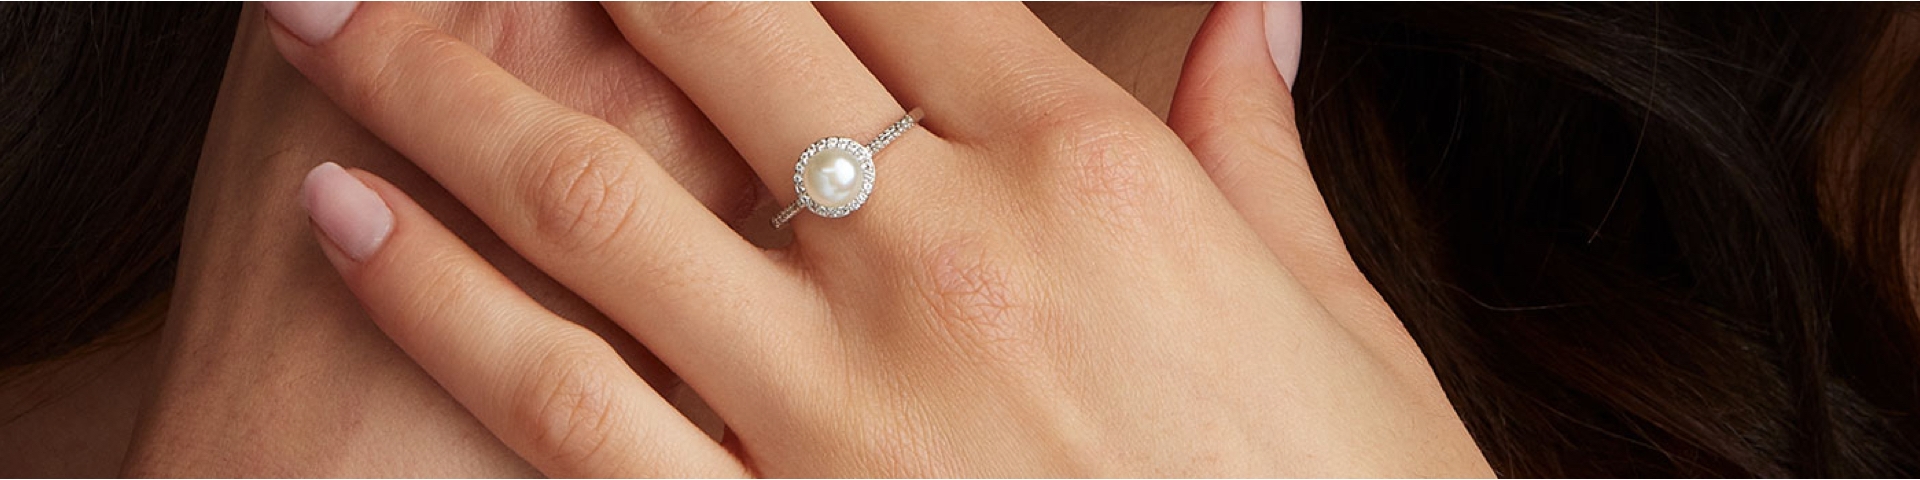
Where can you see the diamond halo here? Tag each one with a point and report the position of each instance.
(863, 157)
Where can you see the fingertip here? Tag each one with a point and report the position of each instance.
(304, 32)
(1230, 77)
(1281, 23)
(348, 213)
(312, 22)
(1236, 43)
(395, 197)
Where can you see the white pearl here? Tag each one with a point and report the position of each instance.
(833, 177)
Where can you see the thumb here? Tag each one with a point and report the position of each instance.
(1234, 110)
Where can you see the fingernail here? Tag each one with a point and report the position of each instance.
(1283, 37)
(313, 22)
(348, 212)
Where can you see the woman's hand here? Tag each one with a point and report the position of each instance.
(271, 368)
(1044, 282)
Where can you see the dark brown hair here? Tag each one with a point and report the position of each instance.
(105, 107)
(1603, 223)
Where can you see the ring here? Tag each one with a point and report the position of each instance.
(835, 174)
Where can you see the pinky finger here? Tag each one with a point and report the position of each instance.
(550, 389)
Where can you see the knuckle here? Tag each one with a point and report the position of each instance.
(1113, 171)
(582, 189)
(977, 303)
(567, 410)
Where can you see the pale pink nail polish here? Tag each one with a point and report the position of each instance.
(349, 213)
(313, 22)
(1283, 37)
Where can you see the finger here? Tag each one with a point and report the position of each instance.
(988, 68)
(773, 77)
(573, 53)
(550, 389)
(575, 196)
(1233, 109)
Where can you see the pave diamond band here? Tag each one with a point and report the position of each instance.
(835, 175)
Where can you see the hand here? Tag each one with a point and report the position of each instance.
(1045, 282)
(271, 368)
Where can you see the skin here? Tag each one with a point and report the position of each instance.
(1130, 302)
(260, 299)
(264, 291)
(266, 365)
(83, 415)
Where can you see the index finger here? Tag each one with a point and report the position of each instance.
(575, 196)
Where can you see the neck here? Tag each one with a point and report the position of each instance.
(74, 416)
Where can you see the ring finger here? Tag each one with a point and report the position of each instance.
(773, 77)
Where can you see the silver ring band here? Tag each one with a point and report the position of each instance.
(835, 175)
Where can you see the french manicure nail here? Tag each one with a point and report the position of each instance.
(349, 213)
(1283, 37)
(313, 22)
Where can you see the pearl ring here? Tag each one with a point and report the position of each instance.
(835, 174)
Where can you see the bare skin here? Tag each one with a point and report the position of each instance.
(84, 432)
(1074, 288)
(79, 415)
